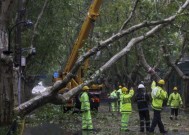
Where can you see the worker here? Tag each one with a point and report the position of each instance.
(174, 101)
(119, 94)
(85, 109)
(143, 100)
(113, 97)
(126, 107)
(158, 96)
(95, 103)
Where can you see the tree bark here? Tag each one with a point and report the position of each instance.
(6, 93)
(7, 80)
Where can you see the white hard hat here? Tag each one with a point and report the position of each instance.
(141, 86)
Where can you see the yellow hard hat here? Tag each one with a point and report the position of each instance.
(175, 88)
(124, 89)
(162, 82)
(120, 86)
(85, 88)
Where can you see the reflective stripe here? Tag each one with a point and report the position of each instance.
(85, 109)
(156, 108)
(174, 107)
(124, 122)
(143, 109)
(126, 111)
(126, 101)
(124, 128)
(141, 100)
(175, 99)
(85, 101)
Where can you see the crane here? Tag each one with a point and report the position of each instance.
(87, 25)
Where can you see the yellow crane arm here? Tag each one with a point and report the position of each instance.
(83, 34)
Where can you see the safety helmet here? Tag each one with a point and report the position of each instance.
(120, 86)
(124, 89)
(175, 88)
(162, 82)
(85, 88)
(141, 86)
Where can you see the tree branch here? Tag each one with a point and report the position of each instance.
(184, 45)
(172, 64)
(131, 14)
(37, 22)
(144, 63)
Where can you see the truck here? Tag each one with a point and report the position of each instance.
(95, 89)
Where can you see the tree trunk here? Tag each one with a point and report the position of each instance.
(6, 93)
(6, 68)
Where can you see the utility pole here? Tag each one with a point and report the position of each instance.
(18, 50)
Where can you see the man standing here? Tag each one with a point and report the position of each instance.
(119, 94)
(143, 99)
(85, 109)
(158, 96)
(175, 101)
(113, 96)
(126, 107)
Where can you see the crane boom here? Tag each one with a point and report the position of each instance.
(87, 25)
(83, 34)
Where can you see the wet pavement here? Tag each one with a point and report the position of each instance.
(106, 123)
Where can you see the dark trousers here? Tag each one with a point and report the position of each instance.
(174, 111)
(157, 121)
(144, 120)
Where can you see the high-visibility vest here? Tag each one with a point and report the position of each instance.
(84, 99)
(119, 93)
(158, 97)
(126, 106)
(113, 94)
(174, 100)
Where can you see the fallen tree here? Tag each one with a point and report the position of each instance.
(51, 94)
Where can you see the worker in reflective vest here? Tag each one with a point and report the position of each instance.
(158, 96)
(85, 109)
(126, 107)
(174, 101)
(113, 96)
(119, 94)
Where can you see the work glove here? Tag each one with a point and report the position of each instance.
(151, 70)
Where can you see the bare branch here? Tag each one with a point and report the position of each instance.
(131, 14)
(144, 63)
(172, 64)
(184, 45)
(37, 22)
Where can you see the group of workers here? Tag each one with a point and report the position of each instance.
(123, 104)
(158, 97)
